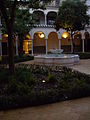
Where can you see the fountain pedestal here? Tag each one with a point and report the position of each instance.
(56, 58)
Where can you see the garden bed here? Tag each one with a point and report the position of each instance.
(17, 59)
(35, 85)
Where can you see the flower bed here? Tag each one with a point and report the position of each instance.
(36, 85)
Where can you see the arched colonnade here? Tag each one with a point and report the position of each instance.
(42, 41)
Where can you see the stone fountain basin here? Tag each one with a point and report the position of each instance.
(57, 59)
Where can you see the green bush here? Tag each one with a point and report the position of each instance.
(84, 55)
(17, 59)
(51, 79)
(25, 87)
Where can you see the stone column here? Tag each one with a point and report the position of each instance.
(46, 46)
(46, 38)
(59, 37)
(32, 45)
(31, 35)
(83, 43)
(17, 45)
(45, 19)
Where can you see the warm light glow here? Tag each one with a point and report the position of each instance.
(28, 36)
(43, 81)
(5, 35)
(25, 47)
(41, 35)
(65, 35)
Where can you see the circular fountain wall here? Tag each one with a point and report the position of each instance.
(57, 59)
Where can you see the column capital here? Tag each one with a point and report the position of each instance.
(46, 37)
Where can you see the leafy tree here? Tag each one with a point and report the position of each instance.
(23, 26)
(8, 11)
(72, 16)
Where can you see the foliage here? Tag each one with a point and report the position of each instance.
(51, 79)
(17, 59)
(72, 15)
(84, 55)
(25, 87)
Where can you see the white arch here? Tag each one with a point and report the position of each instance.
(46, 31)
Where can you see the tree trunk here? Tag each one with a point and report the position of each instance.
(11, 50)
(72, 49)
(21, 44)
(9, 20)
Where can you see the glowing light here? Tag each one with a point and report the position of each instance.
(43, 81)
(5, 35)
(41, 35)
(65, 35)
(28, 36)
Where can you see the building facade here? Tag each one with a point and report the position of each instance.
(43, 36)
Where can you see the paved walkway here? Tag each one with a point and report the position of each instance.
(83, 66)
(68, 110)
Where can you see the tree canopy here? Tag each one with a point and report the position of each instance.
(72, 15)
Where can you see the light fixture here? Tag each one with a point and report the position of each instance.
(65, 34)
(41, 35)
(43, 81)
(5, 35)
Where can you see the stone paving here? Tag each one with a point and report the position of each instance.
(83, 66)
(68, 110)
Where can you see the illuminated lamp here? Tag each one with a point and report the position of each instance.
(41, 35)
(65, 34)
(5, 35)
(43, 81)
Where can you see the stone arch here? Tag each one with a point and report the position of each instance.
(39, 43)
(51, 17)
(53, 41)
(46, 31)
(39, 16)
(77, 42)
(66, 42)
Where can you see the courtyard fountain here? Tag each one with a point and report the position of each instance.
(56, 57)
